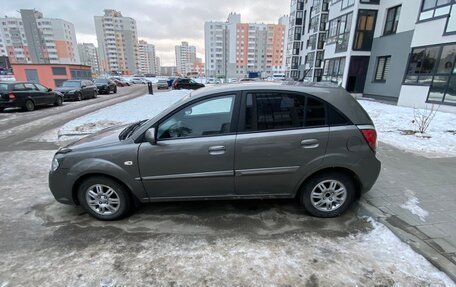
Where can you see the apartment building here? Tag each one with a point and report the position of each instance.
(117, 42)
(35, 39)
(185, 58)
(146, 58)
(168, 71)
(88, 54)
(233, 49)
(157, 66)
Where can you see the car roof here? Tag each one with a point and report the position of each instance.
(336, 96)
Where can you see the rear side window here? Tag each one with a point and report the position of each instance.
(335, 118)
(3, 87)
(19, 87)
(272, 111)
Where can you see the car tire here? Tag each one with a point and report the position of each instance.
(93, 197)
(58, 101)
(29, 106)
(95, 94)
(79, 97)
(328, 194)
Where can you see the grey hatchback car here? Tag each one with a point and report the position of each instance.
(230, 142)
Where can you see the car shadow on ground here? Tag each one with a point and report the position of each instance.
(255, 218)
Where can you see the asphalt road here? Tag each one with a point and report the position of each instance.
(16, 126)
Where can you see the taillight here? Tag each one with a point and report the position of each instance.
(11, 96)
(370, 135)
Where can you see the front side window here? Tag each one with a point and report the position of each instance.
(392, 20)
(275, 111)
(30, 87)
(41, 88)
(204, 118)
(383, 64)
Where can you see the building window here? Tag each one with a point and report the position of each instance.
(339, 32)
(451, 21)
(365, 27)
(347, 3)
(59, 71)
(383, 64)
(434, 66)
(334, 70)
(369, 1)
(434, 8)
(392, 20)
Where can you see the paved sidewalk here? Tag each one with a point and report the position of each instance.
(418, 195)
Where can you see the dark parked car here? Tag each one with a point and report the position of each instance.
(78, 89)
(232, 142)
(122, 81)
(162, 84)
(27, 96)
(185, 83)
(105, 86)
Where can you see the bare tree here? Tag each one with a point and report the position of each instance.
(424, 117)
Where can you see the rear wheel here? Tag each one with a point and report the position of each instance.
(104, 198)
(79, 96)
(58, 101)
(328, 194)
(29, 106)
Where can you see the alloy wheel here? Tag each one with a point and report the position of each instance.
(102, 199)
(328, 195)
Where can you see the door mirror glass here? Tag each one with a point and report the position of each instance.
(188, 112)
(49, 90)
(150, 136)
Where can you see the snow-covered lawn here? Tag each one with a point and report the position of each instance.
(137, 109)
(391, 120)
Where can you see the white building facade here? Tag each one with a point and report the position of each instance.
(146, 58)
(117, 42)
(88, 54)
(185, 58)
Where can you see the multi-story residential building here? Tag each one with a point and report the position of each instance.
(146, 58)
(35, 39)
(168, 71)
(157, 66)
(185, 58)
(88, 54)
(117, 42)
(234, 49)
(396, 49)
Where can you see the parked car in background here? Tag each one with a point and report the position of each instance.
(170, 81)
(149, 75)
(105, 86)
(227, 143)
(137, 80)
(118, 83)
(249, 80)
(186, 83)
(122, 81)
(27, 95)
(78, 90)
(162, 84)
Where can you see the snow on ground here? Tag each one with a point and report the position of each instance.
(390, 120)
(412, 205)
(137, 109)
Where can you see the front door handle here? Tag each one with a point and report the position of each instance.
(217, 150)
(310, 143)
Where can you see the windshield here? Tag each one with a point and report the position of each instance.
(71, 84)
(162, 81)
(100, 81)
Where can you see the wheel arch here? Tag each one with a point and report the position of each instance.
(339, 169)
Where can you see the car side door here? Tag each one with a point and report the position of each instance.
(38, 96)
(282, 135)
(194, 153)
(21, 94)
(47, 96)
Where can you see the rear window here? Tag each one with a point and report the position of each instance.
(71, 84)
(101, 81)
(271, 111)
(4, 87)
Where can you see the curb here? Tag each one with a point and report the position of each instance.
(409, 235)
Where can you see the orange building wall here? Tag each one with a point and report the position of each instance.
(62, 48)
(45, 76)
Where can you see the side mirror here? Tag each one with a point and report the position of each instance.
(83, 86)
(49, 90)
(150, 136)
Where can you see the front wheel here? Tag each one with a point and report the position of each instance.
(79, 96)
(58, 101)
(104, 198)
(328, 194)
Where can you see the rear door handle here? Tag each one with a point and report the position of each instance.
(310, 143)
(217, 150)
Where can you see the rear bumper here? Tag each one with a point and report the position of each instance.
(368, 173)
(5, 105)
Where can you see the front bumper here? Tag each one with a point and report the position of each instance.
(60, 187)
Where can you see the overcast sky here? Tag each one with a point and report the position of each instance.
(164, 23)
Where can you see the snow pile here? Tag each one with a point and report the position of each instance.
(134, 110)
(390, 120)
